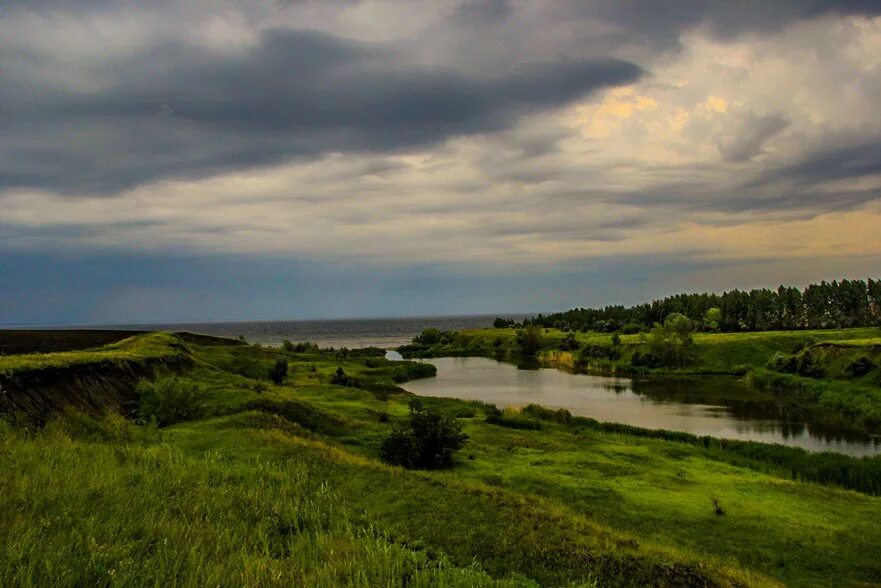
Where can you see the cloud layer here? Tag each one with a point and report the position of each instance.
(466, 135)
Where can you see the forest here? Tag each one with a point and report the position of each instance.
(826, 305)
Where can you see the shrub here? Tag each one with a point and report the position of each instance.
(510, 418)
(594, 351)
(646, 359)
(503, 323)
(809, 367)
(786, 364)
(859, 367)
(427, 440)
(560, 415)
(529, 340)
(168, 400)
(279, 372)
(569, 343)
(428, 337)
(717, 508)
(380, 416)
(307, 347)
(340, 378)
(413, 371)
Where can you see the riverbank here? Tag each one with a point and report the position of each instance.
(283, 483)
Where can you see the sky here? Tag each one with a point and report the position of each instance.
(256, 160)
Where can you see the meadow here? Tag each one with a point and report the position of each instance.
(283, 485)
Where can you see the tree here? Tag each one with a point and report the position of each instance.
(713, 319)
(427, 440)
(428, 337)
(670, 343)
(502, 323)
(529, 340)
(279, 372)
(339, 377)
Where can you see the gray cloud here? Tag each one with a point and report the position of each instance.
(662, 21)
(751, 133)
(181, 110)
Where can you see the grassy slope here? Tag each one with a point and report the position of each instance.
(258, 499)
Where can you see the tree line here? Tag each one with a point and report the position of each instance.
(827, 305)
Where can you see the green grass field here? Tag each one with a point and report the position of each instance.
(249, 497)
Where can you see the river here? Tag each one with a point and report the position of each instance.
(716, 406)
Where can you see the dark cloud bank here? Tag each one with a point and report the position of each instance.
(182, 110)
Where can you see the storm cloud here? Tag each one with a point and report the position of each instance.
(179, 110)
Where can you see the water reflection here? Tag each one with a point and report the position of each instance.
(716, 406)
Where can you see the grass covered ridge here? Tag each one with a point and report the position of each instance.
(282, 485)
(137, 348)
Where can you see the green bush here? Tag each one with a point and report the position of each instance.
(646, 359)
(412, 371)
(168, 400)
(529, 340)
(596, 351)
(569, 343)
(786, 364)
(511, 418)
(859, 367)
(427, 440)
(340, 378)
(279, 372)
(428, 337)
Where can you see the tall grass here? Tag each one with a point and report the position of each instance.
(79, 512)
(859, 402)
(862, 474)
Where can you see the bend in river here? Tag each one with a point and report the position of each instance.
(715, 406)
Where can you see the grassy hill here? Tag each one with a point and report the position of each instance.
(282, 485)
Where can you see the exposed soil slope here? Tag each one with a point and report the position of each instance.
(104, 380)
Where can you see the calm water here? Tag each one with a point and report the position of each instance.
(383, 332)
(719, 407)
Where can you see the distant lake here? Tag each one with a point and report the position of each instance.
(714, 406)
(379, 332)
